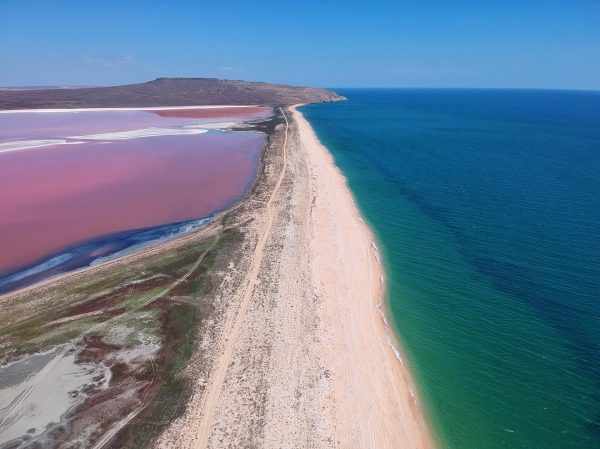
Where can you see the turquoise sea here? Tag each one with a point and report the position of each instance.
(486, 206)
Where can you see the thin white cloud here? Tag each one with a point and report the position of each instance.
(111, 61)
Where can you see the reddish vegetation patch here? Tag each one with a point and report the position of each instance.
(109, 300)
(96, 349)
(101, 303)
(132, 384)
(250, 111)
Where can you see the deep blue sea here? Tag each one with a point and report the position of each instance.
(486, 205)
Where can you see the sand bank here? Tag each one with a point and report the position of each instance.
(122, 135)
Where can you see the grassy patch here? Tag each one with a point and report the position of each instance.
(181, 321)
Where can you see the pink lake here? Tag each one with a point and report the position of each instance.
(55, 197)
(15, 126)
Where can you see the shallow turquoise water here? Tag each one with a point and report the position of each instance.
(486, 204)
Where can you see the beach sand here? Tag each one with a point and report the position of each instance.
(303, 357)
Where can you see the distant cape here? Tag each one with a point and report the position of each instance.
(166, 92)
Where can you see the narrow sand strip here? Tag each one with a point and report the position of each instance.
(140, 133)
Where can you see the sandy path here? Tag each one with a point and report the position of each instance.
(304, 360)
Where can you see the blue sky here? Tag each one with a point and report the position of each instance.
(426, 43)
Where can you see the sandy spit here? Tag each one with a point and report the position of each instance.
(27, 144)
(303, 358)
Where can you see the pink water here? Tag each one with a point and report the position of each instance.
(57, 196)
(43, 125)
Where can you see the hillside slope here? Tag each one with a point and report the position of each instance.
(167, 92)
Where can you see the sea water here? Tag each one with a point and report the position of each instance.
(486, 205)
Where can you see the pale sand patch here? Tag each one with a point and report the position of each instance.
(44, 400)
(217, 125)
(120, 135)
